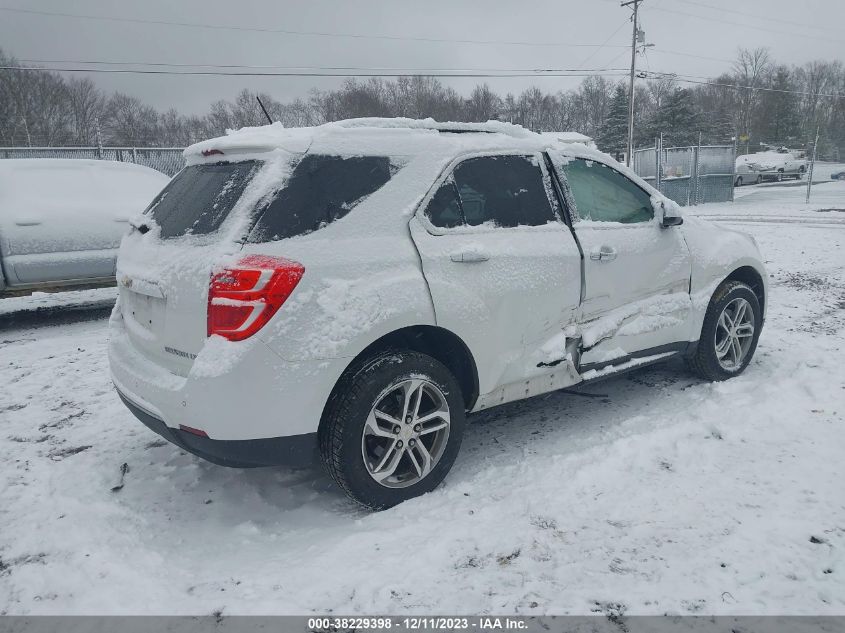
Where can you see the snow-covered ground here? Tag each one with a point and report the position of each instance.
(652, 493)
(54, 301)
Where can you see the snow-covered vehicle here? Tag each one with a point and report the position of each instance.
(352, 290)
(776, 165)
(61, 220)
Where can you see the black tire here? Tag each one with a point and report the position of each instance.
(759, 180)
(704, 361)
(780, 176)
(344, 419)
(738, 182)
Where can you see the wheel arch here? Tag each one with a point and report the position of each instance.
(751, 277)
(441, 344)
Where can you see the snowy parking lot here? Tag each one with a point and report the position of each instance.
(650, 493)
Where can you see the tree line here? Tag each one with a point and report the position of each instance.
(40, 108)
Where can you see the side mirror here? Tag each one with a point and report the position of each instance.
(671, 220)
(670, 215)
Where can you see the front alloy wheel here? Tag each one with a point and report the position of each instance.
(734, 334)
(729, 334)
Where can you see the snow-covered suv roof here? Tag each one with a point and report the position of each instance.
(372, 136)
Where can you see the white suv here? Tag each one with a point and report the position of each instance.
(352, 290)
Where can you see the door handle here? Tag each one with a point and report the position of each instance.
(469, 255)
(603, 254)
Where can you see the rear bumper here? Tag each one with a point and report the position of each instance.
(243, 391)
(292, 450)
(774, 173)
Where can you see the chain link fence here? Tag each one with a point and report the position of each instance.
(689, 175)
(167, 160)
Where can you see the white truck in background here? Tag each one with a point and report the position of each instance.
(61, 220)
(770, 165)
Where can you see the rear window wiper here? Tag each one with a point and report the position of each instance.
(141, 227)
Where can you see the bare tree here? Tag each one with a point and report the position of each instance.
(34, 106)
(87, 105)
(483, 104)
(751, 70)
(818, 78)
(757, 97)
(130, 122)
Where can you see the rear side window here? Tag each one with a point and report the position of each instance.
(506, 190)
(603, 194)
(200, 197)
(320, 190)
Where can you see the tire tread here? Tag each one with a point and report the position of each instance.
(341, 407)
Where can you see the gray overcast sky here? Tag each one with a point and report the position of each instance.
(795, 32)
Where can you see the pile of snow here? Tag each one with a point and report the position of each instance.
(254, 140)
(570, 137)
(49, 189)
(58, 301)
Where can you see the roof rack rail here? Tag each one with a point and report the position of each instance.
(452, 127)
(464, 131)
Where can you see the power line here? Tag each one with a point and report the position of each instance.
(703, 81)
(758, 16)
(442, 73)
(228, 27)
(551, 72)
(540, 72)
(747, 26)
(372, 68)
(680, 54)
(315, 68)
(612, 35)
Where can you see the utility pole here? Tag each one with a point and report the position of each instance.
(812, 165)
(635, 34)
(99, 139)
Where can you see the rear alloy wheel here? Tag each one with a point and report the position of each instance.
(393, 428)
(729, 334)
(738, 182)
(406, 433)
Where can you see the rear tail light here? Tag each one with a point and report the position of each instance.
(243, 298)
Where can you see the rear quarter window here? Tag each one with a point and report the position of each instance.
(321, 190)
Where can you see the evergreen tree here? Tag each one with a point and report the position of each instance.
(678, 119)
(718, 127)
(612, 136)
(778, 113)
